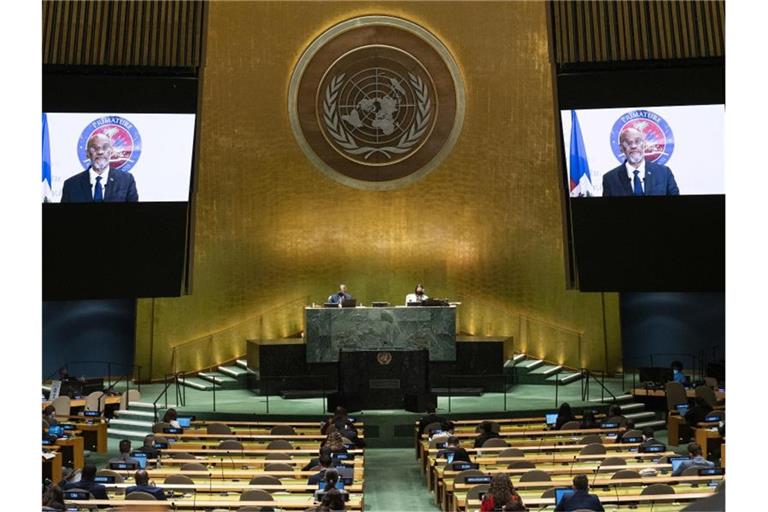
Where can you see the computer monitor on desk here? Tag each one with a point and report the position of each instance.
(349, 303)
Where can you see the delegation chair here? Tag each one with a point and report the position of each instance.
(280, 444)
(140, 495)
(96, 401)
(193, 466)
(282, 430)
(614, 461)
(278, 456)
(63, 405)
(535, 475)
(178, 479)
(230, 444)
(571, 425)
(625, 473)
(593, 449)
(473, 493)
(675, 393)
(521, 464)
(108, 472)
(218, 429)
(655, 489)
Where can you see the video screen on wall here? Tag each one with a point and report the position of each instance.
(118, 173)
(644, 150)
(133, 157)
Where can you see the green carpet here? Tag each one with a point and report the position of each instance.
(393, 482)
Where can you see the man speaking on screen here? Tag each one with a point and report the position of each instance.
(636, 177)
(99, 183)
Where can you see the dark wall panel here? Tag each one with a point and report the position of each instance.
(93, 330)
(657, 328)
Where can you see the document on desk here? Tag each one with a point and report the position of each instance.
(49, 455)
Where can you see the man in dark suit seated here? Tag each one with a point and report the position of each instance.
(649, 441)
(431, 417)
(325, 463)
(86, 483)
(580, 499)
(99, 183)
(452, 446)
(486, 433)
(149, 447)
(125, 453)
(636, 177)
(143, 485)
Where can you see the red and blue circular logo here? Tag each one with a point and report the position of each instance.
(126, 142)
(659, 141)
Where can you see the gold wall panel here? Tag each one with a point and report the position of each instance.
(625, 30)
(272, 232)
(167, 33)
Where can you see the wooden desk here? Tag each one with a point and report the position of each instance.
(75, 403)
(702, 436)
(634, 498)
(94, 435)
(52, 466)
(72, 451)
(673, 428)
(660, 393)
(229, 502)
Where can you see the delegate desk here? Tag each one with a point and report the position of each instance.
(628, 500)
(286, 502)
(363, 329)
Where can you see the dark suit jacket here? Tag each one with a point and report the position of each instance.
(120, 189)
(157, 492)
(316, 478)
(659, 181)
(580, 500)
(99, 491)
(482, 438)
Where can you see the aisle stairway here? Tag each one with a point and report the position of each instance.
(529, 370)
(135, 422)
(229, 376)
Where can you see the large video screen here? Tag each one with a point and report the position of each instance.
(133, 157)
(644, 151)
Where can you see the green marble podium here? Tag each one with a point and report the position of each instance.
(328, 330)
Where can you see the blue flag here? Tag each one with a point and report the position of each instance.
(47, 193)
(581, 179)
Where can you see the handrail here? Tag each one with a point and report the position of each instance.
(164, 392)
(586, 372)
(256, 324)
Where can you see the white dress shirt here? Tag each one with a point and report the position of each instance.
(412, 297)
(104, 178)
(631, 173)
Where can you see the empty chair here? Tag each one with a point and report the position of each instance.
(655, 489)
(461, 476)
(614, 461)
(521, 464)
(707, 394)
(549, 493)
(278, 466)
(140, 495)
(625, 473)
(591, 439)
(182, 455)
(178, 479)
(278, 456)
(160, 439)
(593, 449)
(710, 382)
(132, 395)
(231, 444)
(512, 452)
(159, 428)
(95, 401)
(675, 393)
(193, 466)
(280, 444)
(63, 405)
(265, 480)
(495, 442)
(108, 472)
(694, 471)
(535, 475)
(473, 493)
(633, 433)
(571, 425)
(435, 425)
(282, 430)
(256, 495)
(218, 429)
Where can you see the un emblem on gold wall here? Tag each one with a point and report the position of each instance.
(376, 102)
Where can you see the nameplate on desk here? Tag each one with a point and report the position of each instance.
(92, 414)
(384, 384)
(485, 479)
(173, 430)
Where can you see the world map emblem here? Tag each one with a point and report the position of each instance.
(376, 102)
(125, 137)
(659, 140)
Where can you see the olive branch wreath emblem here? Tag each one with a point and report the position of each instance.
(347, 142)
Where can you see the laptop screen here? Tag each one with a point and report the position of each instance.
(56, 431)
(184, 421)
(561, 493)
(609, 424)
(551, 418)
(676, 461)
(141, 457)
(712, 417)
(449, 457)
(339, 484)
